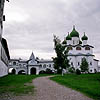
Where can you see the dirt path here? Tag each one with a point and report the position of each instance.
(49, 90)
(45, 89)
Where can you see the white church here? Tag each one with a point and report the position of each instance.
(79, 49)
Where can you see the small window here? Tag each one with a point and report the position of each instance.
(78, 48)
(14, 63)
(91, 63)
(49, 65)
(72, 63)
(44, 65)
(90, 70)
(73, 42)
(78, 63)
(87, 48)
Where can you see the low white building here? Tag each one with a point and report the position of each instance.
(31, 66)
(4, 58)
(4, 52)
(79, 49)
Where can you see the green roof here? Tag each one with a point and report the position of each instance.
(64, 42)
(80, 42)
(84, 37)
(68, 37)
(74, 33)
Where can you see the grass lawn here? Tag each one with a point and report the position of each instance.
(17, 84)
(89, 84)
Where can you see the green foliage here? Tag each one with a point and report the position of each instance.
(71, 70)
(78, 72)
(64, 42)
(49, 71)
(61, 61)
(84, 65)
(89, 84)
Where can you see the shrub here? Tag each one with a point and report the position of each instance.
(71, 70)
(78, 72)
(49, 71)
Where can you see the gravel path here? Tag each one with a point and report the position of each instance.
(45, 89)
(49, 90)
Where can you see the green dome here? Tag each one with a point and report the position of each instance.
(84, 37)
(74, 33)
(64, 42)
(80, 42)
(68, 37)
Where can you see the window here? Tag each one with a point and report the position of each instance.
(91, 63)
(49, 65)
(72, 63)
(44, 65)
(87, 48)
(73, 42)
(78, 48)
(78, 63)
(90, 70)
(14, 63)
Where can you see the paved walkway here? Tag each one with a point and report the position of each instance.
(49, 90)
(45, 89)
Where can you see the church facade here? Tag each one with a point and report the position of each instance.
(31, 66)
(79, 49)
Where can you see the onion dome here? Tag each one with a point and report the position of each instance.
(84, 37)
(68, 37)
(64, 42)
(80, 42)
(74, 33)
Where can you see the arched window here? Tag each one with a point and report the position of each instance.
(44, 66)
(49, 65)
(72, 63)
(91, 63)
(14, 63)
(87, 48)
(78, 63)
(78, 48)
(70, 48)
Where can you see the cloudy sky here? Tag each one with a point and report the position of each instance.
(30, 24)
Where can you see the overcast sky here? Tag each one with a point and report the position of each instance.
(30, 25)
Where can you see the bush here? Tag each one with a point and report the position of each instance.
(49, 71)
(59, 71)
(42, 72)
(78, 72)
(71, 70)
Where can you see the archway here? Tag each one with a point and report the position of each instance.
(33, 71)
(12, 71)
(21, 72)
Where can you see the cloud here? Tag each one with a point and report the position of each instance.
(30, 25)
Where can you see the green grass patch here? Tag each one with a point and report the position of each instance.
(89, 84)
(16, 84)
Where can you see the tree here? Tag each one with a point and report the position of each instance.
(60, 62)
(84, 65)
(78, 72)
(71, 70)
